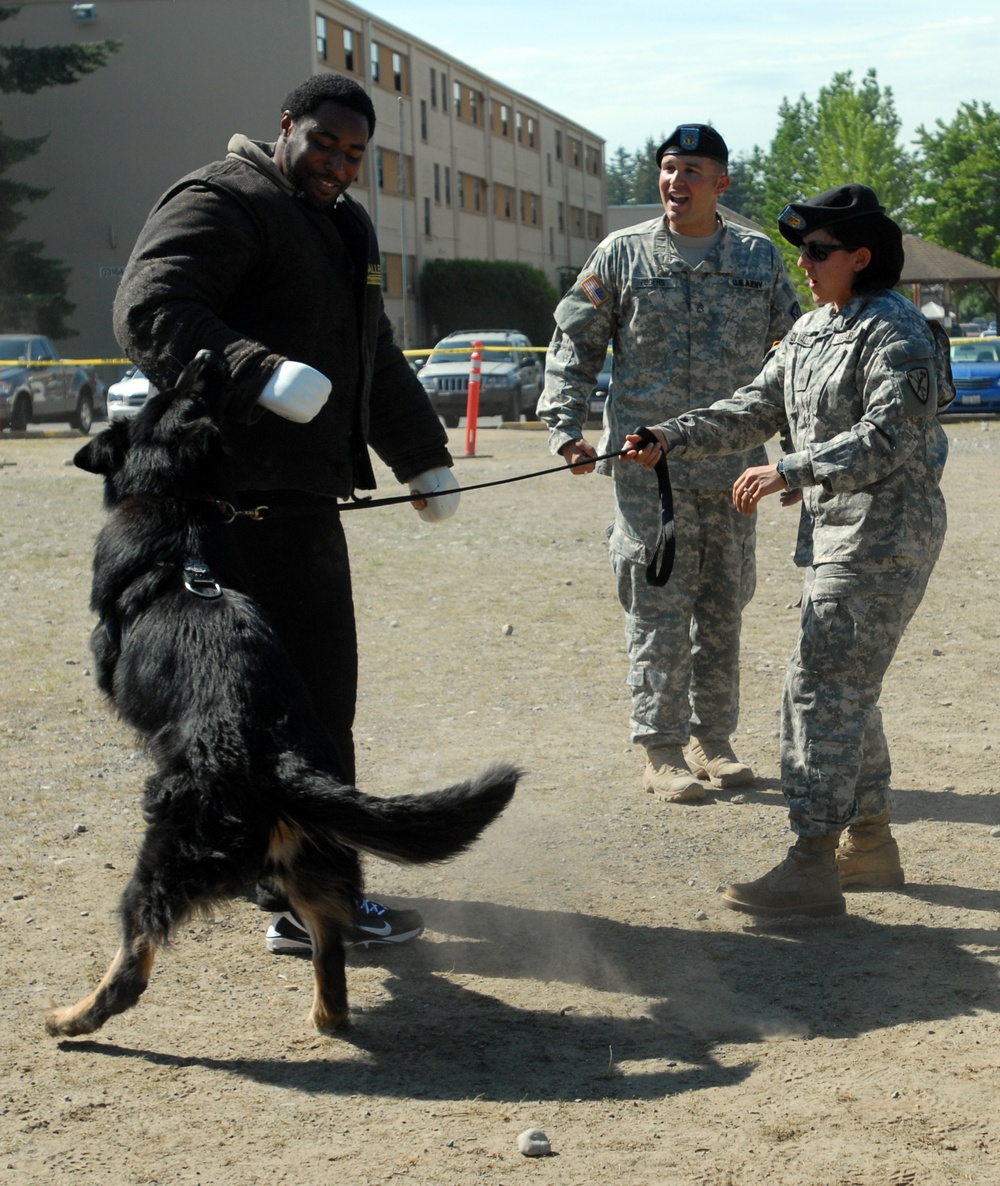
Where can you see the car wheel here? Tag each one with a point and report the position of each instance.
(84, 417)
(21, 413)
(512, 412)
(450, 419)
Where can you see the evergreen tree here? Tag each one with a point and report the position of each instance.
(33, 288)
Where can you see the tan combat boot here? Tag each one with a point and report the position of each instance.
(666, 774)
(715, 761)
(868, 857)
(806, 882)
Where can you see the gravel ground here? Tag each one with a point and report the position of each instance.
(578, 973)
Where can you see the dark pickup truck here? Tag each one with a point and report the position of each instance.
(36, 385)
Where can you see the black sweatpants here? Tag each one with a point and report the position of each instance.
(300, 572)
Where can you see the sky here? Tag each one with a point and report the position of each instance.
(631, 70)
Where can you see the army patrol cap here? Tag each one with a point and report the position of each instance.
(694, 140)
(827, 209)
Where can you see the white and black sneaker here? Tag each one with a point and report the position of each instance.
(373, 923)
(287, 936)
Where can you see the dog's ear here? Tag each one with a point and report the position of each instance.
(106, 452)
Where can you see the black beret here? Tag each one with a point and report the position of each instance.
(694, 140)
(827, 209)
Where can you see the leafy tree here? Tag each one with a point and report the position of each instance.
(481, 294)
(959, 167)
(849, 133)
(33, 288)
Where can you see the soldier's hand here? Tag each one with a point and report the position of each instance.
(754, 484)
(646, 453)
(576, 454)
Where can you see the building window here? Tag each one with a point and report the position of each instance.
(473, 107)
(373, 55)
(385, 272)
(548, 167)
(447, 185)
(575, 148)
(477, 196)
(576, 221)
(508, 202)
(349, 50)
(529, 208)
(518, 128)
(531, 132)
(434, 88)
(397, 72)
(562, 219)
(423, 119)
(379, 168)
(427, 216)
(594, 226)
(504, 120)
(321, 38)
(558, 145)
(460, 188)
(552, 242)
(437, 183)
(444, 92)
(457, 98)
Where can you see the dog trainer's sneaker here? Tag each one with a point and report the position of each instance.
(287, 936)
(373, 923)
(376, 923)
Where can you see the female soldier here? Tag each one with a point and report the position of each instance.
(855, 387)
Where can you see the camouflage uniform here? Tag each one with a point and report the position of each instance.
(682, 338)
(857, 392)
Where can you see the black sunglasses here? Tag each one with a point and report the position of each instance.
(819, 253)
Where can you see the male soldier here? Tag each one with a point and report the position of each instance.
(691, 303)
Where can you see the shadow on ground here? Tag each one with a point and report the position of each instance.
(647, 1009)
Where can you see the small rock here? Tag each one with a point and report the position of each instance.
(80, 829)
(700, 915)
(993, 832)
(738, 799)
(507, 629)
(937, 653)
(534, 1143)
(19, 897)
(948, 786)
(71, 662)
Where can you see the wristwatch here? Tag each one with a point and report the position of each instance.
(781, 469)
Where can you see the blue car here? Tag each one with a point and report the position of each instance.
(975, 367)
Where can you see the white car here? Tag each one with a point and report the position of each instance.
(127, 396)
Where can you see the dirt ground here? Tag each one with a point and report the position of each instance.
(579, 972)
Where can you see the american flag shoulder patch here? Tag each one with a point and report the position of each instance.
(594, 290)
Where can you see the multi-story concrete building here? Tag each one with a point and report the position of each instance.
(460, 166)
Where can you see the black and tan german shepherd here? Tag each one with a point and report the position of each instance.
(243, 788)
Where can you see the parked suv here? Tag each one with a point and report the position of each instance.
(511, 375)
(37, 386)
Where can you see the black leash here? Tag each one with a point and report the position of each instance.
(659, 568)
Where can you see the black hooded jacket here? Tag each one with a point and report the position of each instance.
(232, 260)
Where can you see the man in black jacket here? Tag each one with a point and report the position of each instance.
(264, 258)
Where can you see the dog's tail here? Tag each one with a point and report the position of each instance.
(410, 829)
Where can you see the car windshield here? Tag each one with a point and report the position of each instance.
(975, 352)
(14, 348)
(460, 350)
